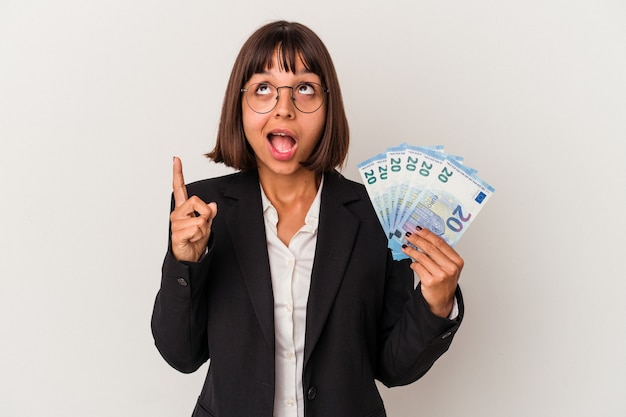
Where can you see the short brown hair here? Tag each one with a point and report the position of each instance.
(293, 41)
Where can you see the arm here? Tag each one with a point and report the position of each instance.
(415, 327)
(179, 319)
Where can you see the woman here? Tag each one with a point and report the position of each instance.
(290, 291)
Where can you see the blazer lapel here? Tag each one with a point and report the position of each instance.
(336, 234)
(247, 229)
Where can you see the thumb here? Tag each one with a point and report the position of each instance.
(213, 207)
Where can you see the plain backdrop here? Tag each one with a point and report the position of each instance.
(97, 96)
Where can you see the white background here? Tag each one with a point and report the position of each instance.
(97, 96)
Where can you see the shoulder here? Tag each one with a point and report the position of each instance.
(349, 193)
(230, 185)
(335, 181)
(212, 183)
(340, 186)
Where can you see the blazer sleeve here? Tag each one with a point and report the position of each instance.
(412, 337)
(180, 315)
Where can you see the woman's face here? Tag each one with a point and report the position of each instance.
(284, 137)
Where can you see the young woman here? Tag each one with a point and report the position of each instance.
(291, 291)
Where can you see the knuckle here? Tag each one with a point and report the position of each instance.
(197, 201)
(454, 267)
(200, 223)
(428, 246)
(440, 275)
(438, 242)
(461, 264)
(452, 271)
(175, 214)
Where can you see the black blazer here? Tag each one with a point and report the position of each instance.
(364, 319)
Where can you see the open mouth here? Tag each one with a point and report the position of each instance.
(281, 142)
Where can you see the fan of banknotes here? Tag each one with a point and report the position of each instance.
(423, 186)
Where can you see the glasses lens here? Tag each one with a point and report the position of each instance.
(261, 97)
(307, 97)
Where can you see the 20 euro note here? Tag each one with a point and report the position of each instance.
(374, 175)
(396, 183)
(405, 165)
(416, 170)
(449, 205)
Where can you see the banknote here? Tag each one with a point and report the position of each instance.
(449, 205)
(374, 175)
(420, 162)
(423, 186)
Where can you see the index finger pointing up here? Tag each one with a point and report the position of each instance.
(178, 184)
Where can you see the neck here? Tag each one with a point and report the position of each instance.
(289, 189)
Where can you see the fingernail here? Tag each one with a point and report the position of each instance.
(408, 234)
(418, 227)
(404, 246)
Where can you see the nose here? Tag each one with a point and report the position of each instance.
(285, 105)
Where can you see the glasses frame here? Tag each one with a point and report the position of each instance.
(325, 92)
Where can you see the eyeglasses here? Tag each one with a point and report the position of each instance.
(307, 97)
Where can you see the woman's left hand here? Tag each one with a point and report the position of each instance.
(438, 267)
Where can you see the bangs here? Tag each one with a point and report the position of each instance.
(290, 47)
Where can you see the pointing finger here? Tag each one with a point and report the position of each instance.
(178, 183)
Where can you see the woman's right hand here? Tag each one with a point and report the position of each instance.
(190, 221)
